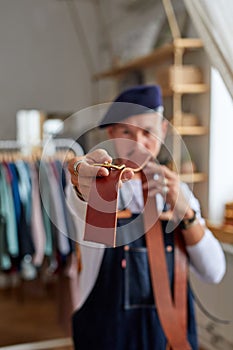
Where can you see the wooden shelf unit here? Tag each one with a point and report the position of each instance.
(193, 178)
(223, 233)
(185, 89)
(190, 88)
(192, 130)
(172, 52)
(157, 56)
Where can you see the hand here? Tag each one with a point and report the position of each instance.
(166, 182)
(87, 172)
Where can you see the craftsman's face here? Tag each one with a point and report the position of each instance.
(145, 131)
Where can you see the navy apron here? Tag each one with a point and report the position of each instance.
(119, 313)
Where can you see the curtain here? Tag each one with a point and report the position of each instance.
(213, 21)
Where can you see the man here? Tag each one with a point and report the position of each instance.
(116, 308)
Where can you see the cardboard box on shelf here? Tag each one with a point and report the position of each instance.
(168, 76)
(228, 215)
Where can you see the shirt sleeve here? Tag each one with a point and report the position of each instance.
(78, 209)
(91, 253)
(207, 259)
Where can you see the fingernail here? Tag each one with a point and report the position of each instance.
(103, 172)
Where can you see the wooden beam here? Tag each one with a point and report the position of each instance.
(171, 17)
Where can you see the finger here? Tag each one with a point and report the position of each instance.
(168, 173)
(127, 175)
(167, 215)
(152, 187)
(155, 172)
(89, 170)
(156, 178)
(71, 163)
(99, 156)
(157, 185)
(153, 167)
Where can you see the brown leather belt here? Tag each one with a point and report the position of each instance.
(100, 227)
(101, 216)
(172, 311)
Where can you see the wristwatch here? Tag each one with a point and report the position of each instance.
(78, 193)
(185, 224)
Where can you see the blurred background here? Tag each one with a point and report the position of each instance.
(62, 62)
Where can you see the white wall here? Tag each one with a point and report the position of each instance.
(217, 299)
(221, 146)
(41, 62)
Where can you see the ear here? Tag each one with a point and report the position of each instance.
(164, 128)
(109, 131)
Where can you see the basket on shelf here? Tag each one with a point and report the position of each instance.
(169, 76)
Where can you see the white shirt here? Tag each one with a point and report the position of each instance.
(207, 259)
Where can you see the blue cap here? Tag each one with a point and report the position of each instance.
(136, 100)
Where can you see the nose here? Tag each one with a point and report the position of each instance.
(140, 138)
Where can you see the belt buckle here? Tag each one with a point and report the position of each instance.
(109, 165)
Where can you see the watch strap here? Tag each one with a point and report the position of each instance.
(185, 224)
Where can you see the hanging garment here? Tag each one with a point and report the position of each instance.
(46, 210)
(26, 243)
(8, 211)
(15, 190)
(5, 262)
(24, 185)
(61, 173)
(58, 216)
(37, 223)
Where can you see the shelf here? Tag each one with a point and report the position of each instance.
(188, 43)
(193, 178)
(143, 61)
(223, 233)
(190, 88)
(186, 89)
(191, 130)
(155, 56)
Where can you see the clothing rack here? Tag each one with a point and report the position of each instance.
(60, 143)
(45, 181)
(36, 258)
